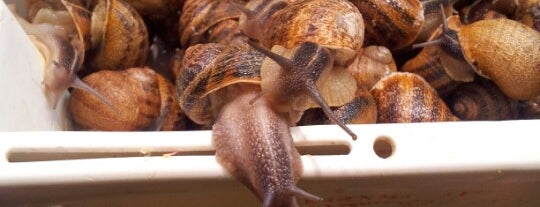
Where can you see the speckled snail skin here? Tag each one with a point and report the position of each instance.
(217, 85)
(254, 144)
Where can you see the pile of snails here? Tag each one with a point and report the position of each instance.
(250, 70)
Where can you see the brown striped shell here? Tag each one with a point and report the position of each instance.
(199, 16)
(391, 23)
(140, 100)
(371, 64)
(227, 32)
(481, 100)
(506, 52)
(205, 69)
(334, 24)
(403, 97)
(119, 37)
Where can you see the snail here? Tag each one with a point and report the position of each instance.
(205, 69)
(143, 100)
(404, 97)
(333, 24)
(481, 100)
(254, 143)
(63, 53)
(371, 64)
(119, 37)
(502, 50)
(290, 76)
(442, 66)
(217, 85)
(393, 23)
(199, 16)
(529, 109)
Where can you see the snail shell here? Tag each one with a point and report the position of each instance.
(333, 24)
(371, 64)
(62, 48)
(481, 100)
(403, 97)
(199, 16)
(205, 69)
(393, 23)
(119, 36)
(227, 32)
(256, 14)
(506, 52)
(141, 100)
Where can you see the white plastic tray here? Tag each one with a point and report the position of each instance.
(431, 164)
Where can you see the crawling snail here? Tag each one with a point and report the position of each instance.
(63, 55)
(502, 50)
(217, 85)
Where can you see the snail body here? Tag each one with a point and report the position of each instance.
(403, 97)
(63, 52)
(300, 73)
(253, 142)
(217, 85)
